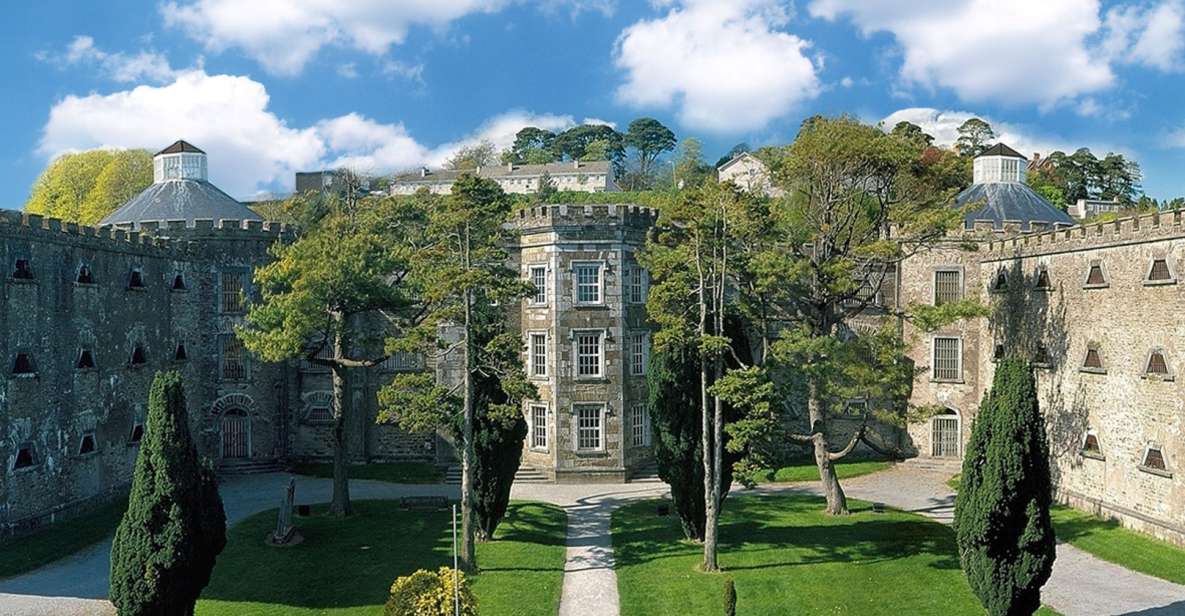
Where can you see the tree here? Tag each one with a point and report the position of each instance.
(690, 169)
(498, 435)
(85, 187)
(127, 174)
(975, 136)
(573, 144)
(1004, 533)
(462, 275)
(318, 291)
(174, 527)
(911, 131)
(470, 157)
(649, 139)
(735, 151)
(532, 145)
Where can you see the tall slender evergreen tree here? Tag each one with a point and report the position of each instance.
(1005, 536)
(174, 527)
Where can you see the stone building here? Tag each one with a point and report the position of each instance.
(748, 172)
(574, 176)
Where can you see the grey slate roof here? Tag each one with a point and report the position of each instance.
(1012, 202)
(179, 146)
(1001, 150)
(187, 200)
(503, 171)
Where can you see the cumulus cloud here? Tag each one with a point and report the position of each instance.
(143, 66)
(251, 148)
(1004, 51)
(1148, 35)
(943, 126)
(726, 66)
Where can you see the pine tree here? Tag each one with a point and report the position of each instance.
(174, 527)
(1004, 533)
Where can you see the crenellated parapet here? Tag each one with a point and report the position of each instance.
(633, 217)
(1148, 227)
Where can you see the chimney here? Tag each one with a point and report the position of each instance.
(576, 164)
(509, 167)
(478, 171)
(423, 172)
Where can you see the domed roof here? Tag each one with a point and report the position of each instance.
(1009, 202)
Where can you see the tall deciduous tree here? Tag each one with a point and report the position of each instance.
(463, 276)
(573, 143)
(174, 528)
(975, 136)
(649, 139)
(319, 290)
(1004, 533)
(85, 187)
(532, 145)
(909, 130)
(470, 157)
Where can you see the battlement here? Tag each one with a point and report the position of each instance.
(1143, 228)
(584, 215)
(167, 239)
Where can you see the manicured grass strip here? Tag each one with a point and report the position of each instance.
(394, 472)
(805, 470)
(1125, 547)
(953, 482)
(789, 558)
(346, 567)
(60, 540)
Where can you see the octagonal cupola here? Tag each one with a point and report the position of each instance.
(180, 161)
(1000, 164)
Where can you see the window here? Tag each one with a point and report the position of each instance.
(139, 357)
(948, 286)
(1093, 362)
(25, 457)
(136, 279)
(588, 427)
(587, 278)
(320, 409)
(84, 275)
(137, 434)
(24, 365)
(1159, 272)
(1096, 277)
(538, 426)
(402, 361)
(639, 426)
(998, 353)
(539, 279)
(233, 298)
(538, 354)
(948, 363)
(1001, 282)
(1157, 364)
(856, 407)
(1041, 356)
(22, 270)
(637, 285)
(1090, 446)
(233, 356)
(1043, 283)
(180, 354)
(179, 283)
(87, 444)
(638, 354)
(86, 360)
(588, 354)
(1154, 459)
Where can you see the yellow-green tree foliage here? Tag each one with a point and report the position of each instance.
(425, 593)
(86, 186)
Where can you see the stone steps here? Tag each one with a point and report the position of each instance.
(525, 474)
(936, 465)
(250, 466)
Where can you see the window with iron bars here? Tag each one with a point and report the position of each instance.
(233, 356)
(233, 296)
(947, 363)
(948, 287)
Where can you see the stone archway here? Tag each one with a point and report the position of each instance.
(945, 435)
(234, 426)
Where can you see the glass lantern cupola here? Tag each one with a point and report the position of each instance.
(1000, 164)
(180, 161)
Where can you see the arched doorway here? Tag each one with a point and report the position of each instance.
(236, 434)
(944, 434)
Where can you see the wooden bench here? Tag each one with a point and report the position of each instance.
(423, 503)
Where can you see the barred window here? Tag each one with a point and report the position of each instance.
(539, 279)
(637, 285)
(856, 407)
(1154, 459)
(948, 365)
(399, 361)
(233, 292)
(1159, 271)
(638, 353)
(539, 426)
(1095, 276)
(1157, 363)
(588, 354)
(639, 426)
(320, 411)
(233, 357)
(588, 427)
(538, 354)
(948, 287)
(587, 277)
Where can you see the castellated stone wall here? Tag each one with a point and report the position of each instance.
(562, 243)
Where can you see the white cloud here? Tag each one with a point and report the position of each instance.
(1006, 51)
(1150, 35)
(252, 149)
(349, 70)
(943, 126)
(599, 122)
(395, 68)
(144, 66)
(727, 66)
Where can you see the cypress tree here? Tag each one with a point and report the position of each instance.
(498, 449)
(1005, 537)
(174, 526)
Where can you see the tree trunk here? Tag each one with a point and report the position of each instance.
(340, 505)
(711, 503)
(837, 503)
(468, 554)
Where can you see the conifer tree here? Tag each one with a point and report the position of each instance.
(174, 527)
(1005, 537)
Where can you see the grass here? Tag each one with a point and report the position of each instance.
(789, 558)
(345, 567)
(1122, 546)
(60, 540)
(394, 472)
(805, 470)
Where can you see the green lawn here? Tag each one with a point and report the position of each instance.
(60, 540)
(1129, 548)
(394, 472)
(788, 558)
(805, 470)
(345, 567)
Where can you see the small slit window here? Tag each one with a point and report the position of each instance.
(139, 357)
(23, 365)
(87, 444)
(180, 354)
(86, 360)
(137, 433)
(84, 275)
(22, 270)
(1001, 281)
(179, 283)
(1091, 447)
(136, 279)
(1159, 272)
(1093, 362)
(1095, 277)
(25, 457)
(1041, 356)
(1157, 364)
(1154, 461)
(1043, 283)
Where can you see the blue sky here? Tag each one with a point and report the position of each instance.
(271, 87)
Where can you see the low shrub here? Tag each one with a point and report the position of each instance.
(425, 593)
(730, 597)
